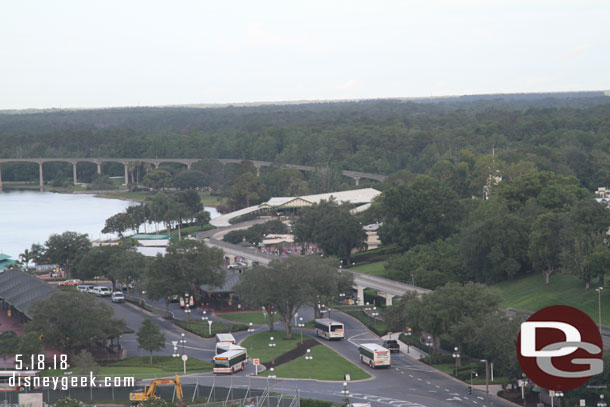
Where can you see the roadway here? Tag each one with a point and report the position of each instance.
(408, 383)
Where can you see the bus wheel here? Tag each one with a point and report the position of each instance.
(371, 364)
(232, 370)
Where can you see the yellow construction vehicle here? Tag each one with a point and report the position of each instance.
(137, 398)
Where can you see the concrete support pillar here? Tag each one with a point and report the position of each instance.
(188, 166)
(258, 171)
(41, 177)
(0, 178)
(360, 295)
(357, 180)
(125, 164)
(388, 298)
(74, 172)
(99, 168)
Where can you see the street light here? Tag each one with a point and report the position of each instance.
(250, 327)
(301, 326)
(522, 384)
(187, 309)
(408, 333)
(345, 392)
(429, 343)
(374, 315)
(554, 394)
(456, 356)
(272, 346)
(182, 341)
(601, 402)
(175, 355)
(472, 372)
(486, 381)
(308, 357)
(599, 306)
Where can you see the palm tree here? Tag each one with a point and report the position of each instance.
(25, 257)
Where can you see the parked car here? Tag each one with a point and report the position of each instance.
(238, 265)
(101, 291)
(81, 288)
(118, 296)
(392, 345)
(90, 289)
(74, 281)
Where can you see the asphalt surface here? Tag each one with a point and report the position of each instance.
(407, 383)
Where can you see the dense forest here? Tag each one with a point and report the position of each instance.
(479, 188)
(566, 133)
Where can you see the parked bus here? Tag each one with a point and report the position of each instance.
(328, 329)
(224, 343)
(22, 380)
(231, 361)
(374, 355)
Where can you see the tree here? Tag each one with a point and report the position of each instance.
(150, 337)
(186, 265)
(118, 224)
(72, 321)
(419, 213)
(286, 285)
(599, 261)
(494, 244)
(437, 312)
(247, 189)
(158, 179)
(203, 218)
(190, 179)
(546, 243)
(65, 248)
(26, 257)
(9, 344)
(84, 363)
(37, 252)
(332, 227)
(119, 263)
(29, 344)
(68, 402)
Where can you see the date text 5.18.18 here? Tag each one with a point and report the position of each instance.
(41, 362)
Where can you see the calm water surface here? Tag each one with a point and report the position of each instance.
(28, 217)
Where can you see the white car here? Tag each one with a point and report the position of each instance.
(118, 296)
(238, 265)
(101, 291)
(82, 288)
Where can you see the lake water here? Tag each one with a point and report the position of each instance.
(28, 217)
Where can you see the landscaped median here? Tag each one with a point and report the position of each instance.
(202, 328)
(245, 317)
(290, 361)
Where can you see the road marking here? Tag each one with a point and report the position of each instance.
(410, 375)
(428, 383)
(480, 398)
(475, 402)
(437, 386)
(446, 389)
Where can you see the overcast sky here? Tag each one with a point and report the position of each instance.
(64, 53)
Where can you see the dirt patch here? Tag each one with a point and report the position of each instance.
(293, 354)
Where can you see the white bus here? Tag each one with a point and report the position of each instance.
(231, 361)
(328, 329)
(22, 380)
(374, 355)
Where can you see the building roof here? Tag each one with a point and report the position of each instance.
(231, 280)
(22, 290)
(151, 237)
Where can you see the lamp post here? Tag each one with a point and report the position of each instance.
(601, 402)
(472, 372)
(429, 343)
(374, 315)
(554, 394)
(250, 327)
(456, 356)
(301, 326)
(522, 384)
(345, 392)
(182, 341)
(308, 357)
(599, 306)
(272, 346)
(187, 309)
(487, 381)
(175, 355)
(408, 333)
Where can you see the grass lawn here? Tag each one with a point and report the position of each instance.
(256, 317)
(325, 365)
(531, 294)
(258, 344)
(139, 367)
(379, 327)
(375, 269)
(202, 328)
(464, 372)
(208, 200)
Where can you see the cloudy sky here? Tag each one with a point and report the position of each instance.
(65, 53)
